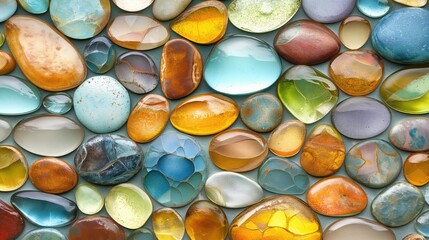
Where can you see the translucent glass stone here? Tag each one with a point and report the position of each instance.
(5, 129)
(89, 199)
(18, 96)
(58, 103)
(13, 168)
(356, 228)
(422, 224)
(354, 32)
(168, 224)
(99, 54)
(373, 8)
(45, 234)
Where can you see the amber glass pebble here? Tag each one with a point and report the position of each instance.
(354, 32)
(287, 139)
(416, 168)
(13, 168)
(7, 63)
(168, 224)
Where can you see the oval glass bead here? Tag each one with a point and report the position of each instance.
(58, 103)
(13, 168)
(5, 129)
(18, 97)
(99, 55)
(354, 32)
(89, 199)
(287, 139)
(168, 224)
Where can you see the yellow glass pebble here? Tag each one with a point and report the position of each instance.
(168, 224)
(413, 3)
(287, 139)
(13, 168)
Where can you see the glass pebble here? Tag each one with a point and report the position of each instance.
(356, 228)
(373, 8)
(58, 103)
(328, 11)
(34, 6)
(142, 234)
(422, 224)
(416, 168)
(5, 129)
(13, 168)
(8, 9)
(165, 10)
(411, 134)
(89, 199)
(261, 112)
(44, 234)
(413, 3)
(96, 228)
(354, 32)
(99, 54)
(7, 62)
(287, 139)
(414, 236)
(132, 5)
(168, 224)
(18, 97)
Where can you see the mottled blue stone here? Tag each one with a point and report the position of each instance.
(142, 234)
(34, 6)
(18, 96)
(174, 170)
(279, 175)
(108, 159)
(398, 205)
(8, 8)
(58, 103)
(422, 224)
(402, 36)
(44, 234)
(373, 8)
(241, 65)
(99, 55)
(261, 112)
(44, 209)
(328, 11)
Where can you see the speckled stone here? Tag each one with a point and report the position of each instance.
(328, 11)
(58, 103)
(44, 234)
(18, 96)
(356, 228)
(261, 112)
(411, 134)
(99, 54)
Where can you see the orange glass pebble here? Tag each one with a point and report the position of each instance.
(181, 68)
(416, 168)
(7, 63)
(204, 23)
(204, 114)
(324, 151)
(337, 196)
(287, 139)
(148, 118)
(13, 168)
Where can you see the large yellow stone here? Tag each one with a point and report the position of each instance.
(13, 168)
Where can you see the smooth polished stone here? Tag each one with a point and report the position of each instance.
(361, 117)
(142, 234)
(53, 175)
(278, 217)
(102, 104)
(44, 209)
(287, 139)
(137, 72)
(238, 150)
(8, 9)
(128, 205)
(407, 90)
(401, 36)
(416, 168)
(148, 118)
(373, 8)
(261, 112)
(18, 96)
(13, 168)
(58, 103)
(89, 199)
(357, 73)
(324, 151)
(108, 159)
(307, 93)
(181, 68)
(306, 42)
(48, 135)
(132, 5)
(356, 228)
(279, 175)
(240, 64)
(414, 236)
(5, 129)
(44, 234)
(175, 169)
(204, 114)
(422, 224)
(34, 44)
(354, 32)
(12, 224)
(168, 224)
(203, 23)
(165, 10)
(137, 32)
(96, 228)
(337, 196)
(328, 11)
(412, 3)
(411, 134)
(34, 6)
(232, 190)
(204, 220)
(99, 54)
(7, 63)
(261, 16)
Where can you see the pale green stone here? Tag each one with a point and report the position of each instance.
(88, 199)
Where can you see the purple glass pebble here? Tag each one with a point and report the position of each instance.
(328, 11)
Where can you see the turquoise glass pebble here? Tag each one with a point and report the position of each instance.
(99, 54)
(242, 64)
(8, 8)
(58, 103)
(373, 8)
(44, 234)
(18, 96)
(142, 234)
(34, 6)
(175, 169)
(422, 224)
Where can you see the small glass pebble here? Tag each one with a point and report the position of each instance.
(58, 103)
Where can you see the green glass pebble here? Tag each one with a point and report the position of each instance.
(99, 54)
(2, 39)
(44, 234)
(34, 6)
(142, 234)
(89, 199)
(58, 103)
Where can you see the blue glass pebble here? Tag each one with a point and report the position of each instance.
(99, 54)
(18, 96)
(8, 8)
(44, 234)
(373, 8)
(422, 224)
(58, 103)
(34, 6)
(142, 234)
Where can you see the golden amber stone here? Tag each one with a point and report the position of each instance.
(47, 58)
(167, 224)
(7, 63)
(13, 168)
(280, 217)
(323, 152)
(287, 139)
(204, 23)
(416, 168)
(181, 68)
(206, 221)
(204, 114)
(413, 3)
(148, 118)
(354, 32)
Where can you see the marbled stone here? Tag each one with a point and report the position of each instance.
(7, 63)
(422, 224)
(357, 73)
(204, 114)
(279, 175)
(99, 54)
(373, 8)
(11, 222)
(323, 152)
(416, 168)
(181, 68)
(328, 11)
(108, 159)
(47, 58)
(306, 42)
(96, 228)
(278, 217)
(44, 234)
(337, 196)
(132, 5)
(261, 112)
(242, 64)
(287, 139)
(8, 9)
(373, 163)
(165, 10)
(142, 234)
(168, 224)
(137, 72)
(354, 32)
(48, 135)
(58, 103)
(307, 93)
(414, 236)
(102, 104)
(148, 118)
(34, 6)
(203, 23)
(5, 129)
(356, 228)
(361, 117)
(137, 32)
(53, 175)
(204, 220)
(18, 97)
(412, 3)
(128, 205)
(411, 134)
(175, 169)
(401, 36)
(89, 199)
(238, 150)
(44, 209)
(13, 168)
(407, 90)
